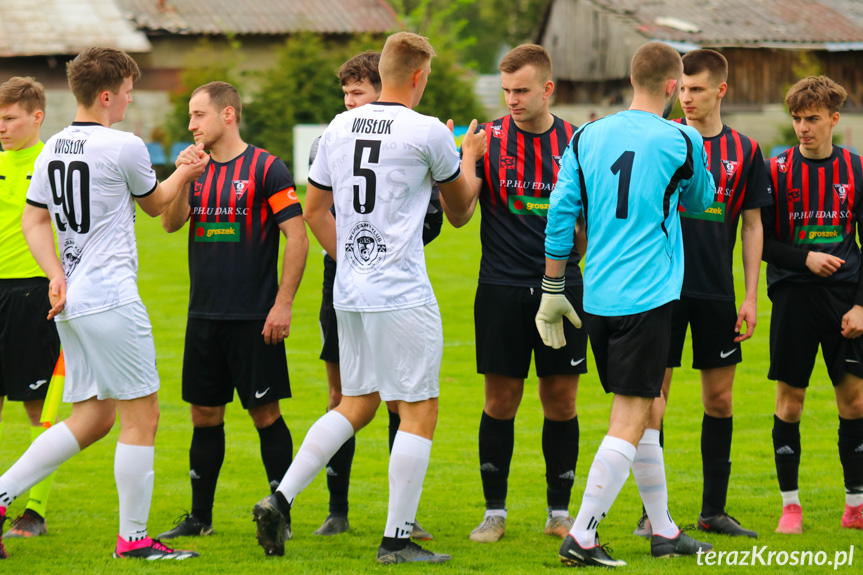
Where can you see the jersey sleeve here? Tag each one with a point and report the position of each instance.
(280, 191)
(698, 193)
(444, 160)
(135, 166)
(757, 187)
(37, 192)
(565, 205)
(319, 171)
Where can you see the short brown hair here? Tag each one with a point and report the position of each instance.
(98, 69)
(363, 66)
(403, 54)
(222, 95)
(815, 92)
(527, 55)
(653, 64)
(713, 62)
(24, 91)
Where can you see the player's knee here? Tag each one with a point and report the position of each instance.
(851, 408)
(205, 416)
(718, 404)
(265, 415)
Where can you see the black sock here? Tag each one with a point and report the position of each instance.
(786, 449)
(394, 544)
(277, 452)
(395, 421)
(339, 477)
(496, 442)
(206, 455)
(560, 448)
(283, 504)
(715, 463)
(851, 453)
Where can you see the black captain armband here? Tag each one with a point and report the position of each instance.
(553, 285)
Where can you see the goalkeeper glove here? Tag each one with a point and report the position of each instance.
(552, 308)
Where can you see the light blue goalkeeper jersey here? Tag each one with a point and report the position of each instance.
(626, 174)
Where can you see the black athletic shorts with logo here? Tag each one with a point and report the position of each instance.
(327, 317)
(711, 322)
(506, 334)
(221, 355)
(29, 344)
(804, 316)
(631, 350)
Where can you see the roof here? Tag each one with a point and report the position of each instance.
(829, 24)
(30, 28)
(267, 17)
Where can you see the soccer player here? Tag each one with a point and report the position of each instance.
(29, 344)
(86, 182)
(625, 174)
(513, 181)
(707, 298)
(814, 281)
(239, 315)
(390, 334)
(361, 84)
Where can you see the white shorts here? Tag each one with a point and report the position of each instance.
(396, 353)
(109, 355)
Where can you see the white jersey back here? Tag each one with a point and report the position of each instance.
(380, 161)
(86, 176)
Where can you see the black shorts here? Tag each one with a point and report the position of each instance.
(712, 324)
(631, 350)
(221, 355)
(327, 317)
(804, 316)
(506, 334)
(29, 344)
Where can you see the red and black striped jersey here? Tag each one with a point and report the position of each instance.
(817, 209)
(518, 173)
(234, 235)
(738, 171)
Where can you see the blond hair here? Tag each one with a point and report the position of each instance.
(24, 91)
(404, 53)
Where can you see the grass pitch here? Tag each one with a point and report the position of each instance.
(82, 511)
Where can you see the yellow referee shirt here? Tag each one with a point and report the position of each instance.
(16, 167)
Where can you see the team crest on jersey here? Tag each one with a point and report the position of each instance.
(240, 187)
(794, 195)
(780, 163)
(557, 160)
(730, 167)
(71, 257)
(507, 162)
(365, 248)
(841, 190)
(496, 133)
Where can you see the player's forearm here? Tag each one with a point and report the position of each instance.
(177, 213)
(293, 265)
(752, 236)
(555, 268)
(36, 227)
(457, 203)
(323, 226)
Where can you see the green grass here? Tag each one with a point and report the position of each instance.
(82, 515)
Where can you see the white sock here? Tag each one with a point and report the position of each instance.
(790, 497)
(409, 461)
(853, 499)
(494, 513)
(558, 513)
(608, 473)
(324, 438)
(133, 472)
(41, 459)
(648, 469)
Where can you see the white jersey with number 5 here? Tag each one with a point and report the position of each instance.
(380, 160)
(86, 176)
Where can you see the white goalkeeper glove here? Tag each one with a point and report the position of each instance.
(553, 307)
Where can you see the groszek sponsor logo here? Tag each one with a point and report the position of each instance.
(218, 232)
(819, 235)
(528, 206)
(715, 213)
